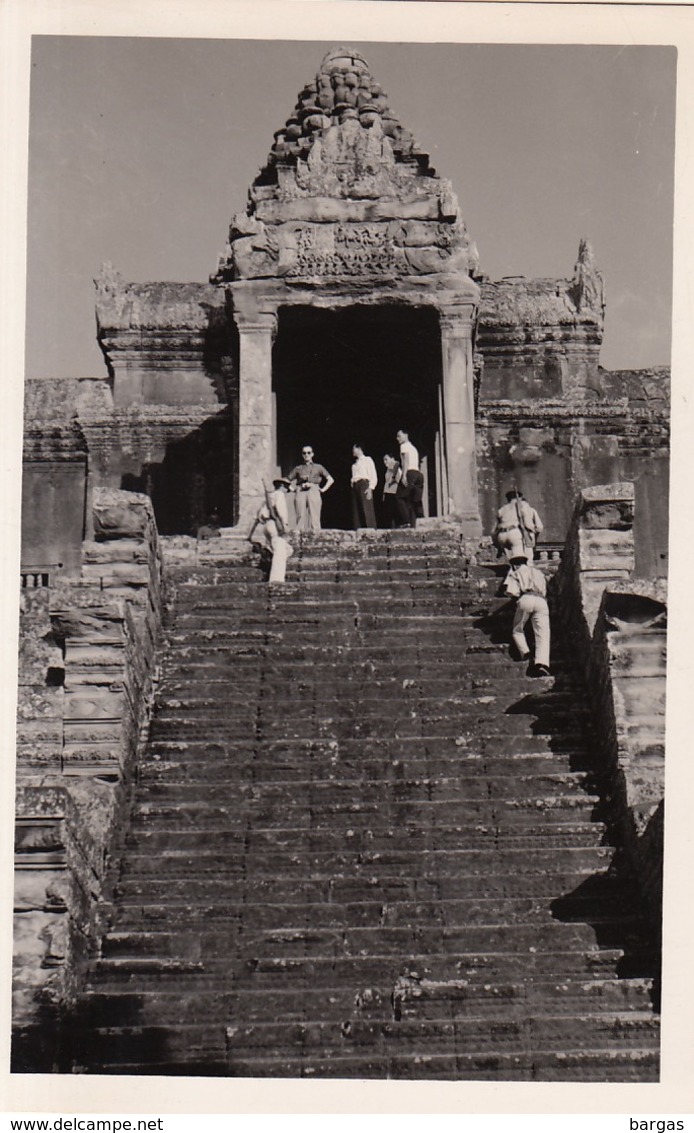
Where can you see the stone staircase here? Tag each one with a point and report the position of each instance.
(364, 843)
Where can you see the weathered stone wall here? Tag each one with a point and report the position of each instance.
(54, 483)
(87, 662)
(618, 622)
(181, 456)
(541, 338)
(553, 449)
(164, 343)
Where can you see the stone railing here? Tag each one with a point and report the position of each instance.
(618, 625)
(88, 652)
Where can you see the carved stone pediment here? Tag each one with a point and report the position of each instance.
(350, 162)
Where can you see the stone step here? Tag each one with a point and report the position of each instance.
(359, 663)
(573, 1066)
(190, 1040)
(448, 999)
(537, 700)
(417, 753)
(250, 841)
(390, 888)
(282, 973)
(308, 733)
(170, 864)
(171, 914)
(419, 763)
(620, 1031)
(597, 1065)
(295, 813)
(507, 688)
(311, 668)
(459, 712)
(198, 609)
(406, 780)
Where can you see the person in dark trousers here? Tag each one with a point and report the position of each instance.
(391, 512)
(411, 491)
(364, 480)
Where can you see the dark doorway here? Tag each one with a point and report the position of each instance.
(194, 479)
(356, 375)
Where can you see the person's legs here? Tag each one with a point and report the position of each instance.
(314, 507)
(520, 617)
(540, 624)
(281, 551)
(402, 510)
(367, 505)
(417, 489)
(301, 504)
(356, 507)
(390, 514)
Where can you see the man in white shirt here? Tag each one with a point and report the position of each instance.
(409, 457)
(412, 478)
(364, 481)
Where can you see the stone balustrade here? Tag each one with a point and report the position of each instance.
(87, 665)
(619, 626)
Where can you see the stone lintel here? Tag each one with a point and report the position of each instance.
(329, 210)
(254, 300)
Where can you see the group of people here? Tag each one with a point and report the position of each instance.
(401, 497)
(307, 483)
(515, 535)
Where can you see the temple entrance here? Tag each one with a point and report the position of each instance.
(357, 375)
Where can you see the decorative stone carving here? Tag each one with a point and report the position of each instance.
(344, 90)
(345, 250)
(256, 247)
(588, 287)
(349, 161)
(344, 160)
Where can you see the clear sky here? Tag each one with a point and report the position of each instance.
(142, 149)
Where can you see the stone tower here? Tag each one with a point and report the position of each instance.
(349, 220)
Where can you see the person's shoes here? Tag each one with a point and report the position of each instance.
(540, 671)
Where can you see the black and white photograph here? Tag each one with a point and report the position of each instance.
(345, 554)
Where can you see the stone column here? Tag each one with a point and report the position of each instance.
(459, 418)
(256, 456)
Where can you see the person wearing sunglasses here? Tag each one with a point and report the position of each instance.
(309, 481)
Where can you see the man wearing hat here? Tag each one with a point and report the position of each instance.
(517, 526)
(270, 527)
(527, 585)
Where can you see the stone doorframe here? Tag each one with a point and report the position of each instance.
(254, 307)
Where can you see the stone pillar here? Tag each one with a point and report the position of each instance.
(459, 418)
(256, 456)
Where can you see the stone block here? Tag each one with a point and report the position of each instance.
(93, 626)
(119, 515)
(606, 549)
(117, 574)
